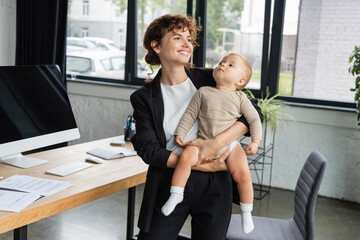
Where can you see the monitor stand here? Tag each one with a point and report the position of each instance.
(21, 161)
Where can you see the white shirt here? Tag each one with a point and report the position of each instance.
(176, 99)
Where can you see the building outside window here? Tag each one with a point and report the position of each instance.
(327, 34)
(96, 39)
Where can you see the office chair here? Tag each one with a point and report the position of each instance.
(301, 226)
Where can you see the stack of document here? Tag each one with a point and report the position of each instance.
(111, 152)
(19, 191)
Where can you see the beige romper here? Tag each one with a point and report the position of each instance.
(217, 110)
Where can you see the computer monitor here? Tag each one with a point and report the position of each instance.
(35, 112)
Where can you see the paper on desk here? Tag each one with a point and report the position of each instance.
(40, 186)
(16, 201)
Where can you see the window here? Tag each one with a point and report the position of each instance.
(311, 50)
(93, 39)
(84, 32)
(86, 7)
(118, 63)
(296, 48)
(147, 11)
(236, 26)
(289, 37)
(78, 64)
(326, 37)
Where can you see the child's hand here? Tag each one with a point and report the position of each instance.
(180, 141)
(252, 148)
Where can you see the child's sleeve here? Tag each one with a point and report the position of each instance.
(190, 115)
(252, 117)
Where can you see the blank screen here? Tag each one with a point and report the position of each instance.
(33, 102)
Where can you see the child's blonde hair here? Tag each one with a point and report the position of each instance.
(247, 73)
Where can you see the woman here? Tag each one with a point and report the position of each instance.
(158, 107)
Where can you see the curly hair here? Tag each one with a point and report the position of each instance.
(160, 26)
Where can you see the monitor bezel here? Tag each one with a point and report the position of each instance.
(33, 143)
(13, 149)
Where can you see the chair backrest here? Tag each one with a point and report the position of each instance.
(306, 192)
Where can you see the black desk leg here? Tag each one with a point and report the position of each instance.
(20, 233)
(131, 213)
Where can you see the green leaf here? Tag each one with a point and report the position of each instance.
(351, 58)
(355, 71)
(357, 80)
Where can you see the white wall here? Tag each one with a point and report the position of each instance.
(7, 32)
(331, 132)
(100, 110)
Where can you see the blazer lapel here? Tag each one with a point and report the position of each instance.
(201, 77)
(193, 78)
(158, 108)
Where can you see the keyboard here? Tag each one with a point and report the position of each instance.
(69, 168)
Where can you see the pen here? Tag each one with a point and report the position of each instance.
(128, 121)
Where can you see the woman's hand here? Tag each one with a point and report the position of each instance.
(207, 148)
(213, 165)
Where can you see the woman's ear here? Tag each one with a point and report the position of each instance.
(155, 46)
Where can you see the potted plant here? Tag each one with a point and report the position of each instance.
(355, 71)
(272, 109)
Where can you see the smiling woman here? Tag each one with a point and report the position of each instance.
(175, 48)
(179, 40)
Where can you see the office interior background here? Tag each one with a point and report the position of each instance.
(314, 37)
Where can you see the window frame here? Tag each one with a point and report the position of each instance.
(270, 62)
(272, 79)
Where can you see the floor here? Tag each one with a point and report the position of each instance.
(105, 219)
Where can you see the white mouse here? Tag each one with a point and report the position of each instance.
(94, 159)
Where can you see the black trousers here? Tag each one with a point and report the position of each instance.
(207, 198)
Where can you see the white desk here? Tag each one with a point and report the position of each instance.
(90, 184)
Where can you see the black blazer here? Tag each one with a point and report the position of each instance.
(149, 140)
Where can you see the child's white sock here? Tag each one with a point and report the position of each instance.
(176, 197)
(247, 221)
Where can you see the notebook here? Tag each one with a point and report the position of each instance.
(111, 152)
